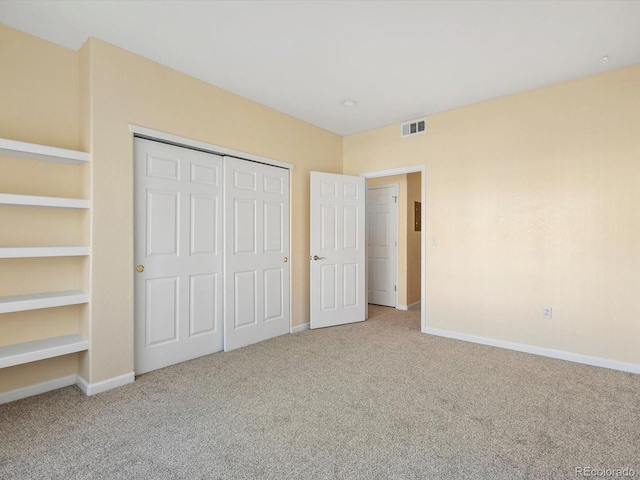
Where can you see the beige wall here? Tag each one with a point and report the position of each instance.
(533, 198)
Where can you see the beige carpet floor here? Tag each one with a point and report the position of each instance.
(371, 400)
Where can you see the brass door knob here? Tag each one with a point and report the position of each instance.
(140, 268)
(285, 259)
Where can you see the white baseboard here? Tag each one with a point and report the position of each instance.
(37, 389)
(300, 328)
(104, 385)
(545, 352)
(411, 306)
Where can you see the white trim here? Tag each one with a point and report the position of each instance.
(37, 389)
(290, 256)
(386, 185)
(204, 146)
(411, 306)
(423, 233)
(545, 352)
(300, 328)
(394, 171)
(104, 385)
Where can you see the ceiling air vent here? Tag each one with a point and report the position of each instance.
(414, 127)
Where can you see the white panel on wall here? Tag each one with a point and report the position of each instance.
(244, 289)
(273, 297)
(165, 168)
(162, 222)
(203, 224)
(202, 303)
(162, 310)
(244, 226)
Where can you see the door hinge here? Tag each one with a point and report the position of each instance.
(395, 198)
(395, 288)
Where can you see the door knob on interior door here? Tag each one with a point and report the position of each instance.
(316, 257)
(140, 268)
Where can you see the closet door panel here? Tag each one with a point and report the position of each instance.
(257, 273)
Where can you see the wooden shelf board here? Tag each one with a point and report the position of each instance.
(20, 353)
(35, 201)
(35, 301)
(33, 151)
(31, 252)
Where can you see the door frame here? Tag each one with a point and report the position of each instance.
(423, 198)
(397, 269)
(185, 142)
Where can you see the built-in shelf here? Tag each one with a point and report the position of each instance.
(26, 352)
(35, 301)
(33, 151)
(34, 201)
(32, 252)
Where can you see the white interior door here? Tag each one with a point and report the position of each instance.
(257, 274)
(382, 245)
(338, 291)
(178, 254)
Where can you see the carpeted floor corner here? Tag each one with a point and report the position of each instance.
(365, 401)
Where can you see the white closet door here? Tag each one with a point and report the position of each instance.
(257, 274)
(178, 254)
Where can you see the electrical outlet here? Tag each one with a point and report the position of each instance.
(546, 312)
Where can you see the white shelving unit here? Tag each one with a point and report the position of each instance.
(33, 252)
(34, 201)
(33, 151)
(34, 301)
(20, 353)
